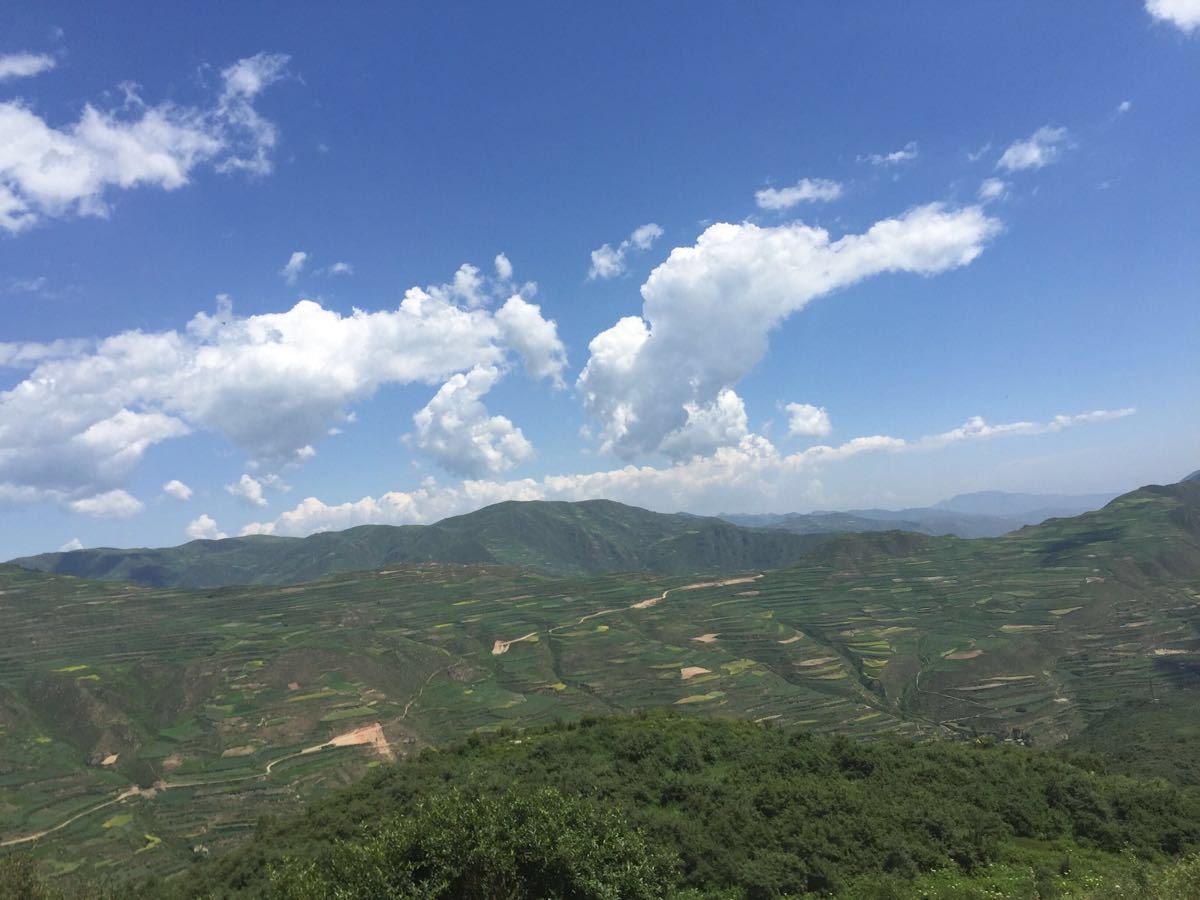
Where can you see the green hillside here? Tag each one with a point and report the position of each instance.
(722, 809)
(145, 728)
(584, 538)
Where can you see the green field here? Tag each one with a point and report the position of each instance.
(204, 700)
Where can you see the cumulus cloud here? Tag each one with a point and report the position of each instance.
(48, 172)
(806, 420)
(177, 490)
(115, 504)
(456, 430)
(1183, 14)
(340, 268)
(721, 423)
(504, 269)
(992, 189)
(804, 190)
(739, 282)
(294, 266)
(204, 528)
(907, 153)
(609, 261)
(1125, 106)
(753, 471)
(1040, 149)
(272, 384)
(248, 490)
(72, 544)
(25, 65)
(533, 337)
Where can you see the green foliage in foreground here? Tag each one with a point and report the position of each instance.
(478, 846)
(740, 809)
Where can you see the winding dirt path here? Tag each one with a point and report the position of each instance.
(500, 646)
(29, 838)
(367, 735)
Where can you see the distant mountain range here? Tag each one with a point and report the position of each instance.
(976, 515)
(555, 538)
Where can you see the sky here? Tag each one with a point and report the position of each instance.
(282, 272)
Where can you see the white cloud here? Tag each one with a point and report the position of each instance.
(752, 472)
(504, 269)
(14, 355)
(992, 189)
(457, 431)
(722, 423)
(1183, 14)
(1124, 106)
(294, 266)
(907, 153)
(49, 172)
(204, 528)
(1040, 149)
(804, 190)
(609, 261)
(177, 490)
(25, 65)
(806, 420)
(977, 155)
(272, 384)
(115, 504)
(340, 268)
(72, 544)
(248, 490)
(709, 308)
(535, 338)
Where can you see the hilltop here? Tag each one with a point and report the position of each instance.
(221, 706)
(556, 538)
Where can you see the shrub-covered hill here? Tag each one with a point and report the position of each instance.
(717, 807)
(585, 538)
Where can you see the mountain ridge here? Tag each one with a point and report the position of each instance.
(553, 537)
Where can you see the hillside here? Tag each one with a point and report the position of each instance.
(728, 806)
(222, 706)
(555, 538)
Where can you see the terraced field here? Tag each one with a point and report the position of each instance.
(141, 727)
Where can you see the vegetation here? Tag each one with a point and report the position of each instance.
(626, 807)
(225, 706)
(586, 538)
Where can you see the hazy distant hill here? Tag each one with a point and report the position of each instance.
(1195, 476)
(1024, 506)
(557, 538)
(979, 515)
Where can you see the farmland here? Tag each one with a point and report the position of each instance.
(192, 714)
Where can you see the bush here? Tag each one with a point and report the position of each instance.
(480, 846)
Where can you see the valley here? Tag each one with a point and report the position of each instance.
(143, 728)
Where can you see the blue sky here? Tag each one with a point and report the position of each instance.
(756, 257)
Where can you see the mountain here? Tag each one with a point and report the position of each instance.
(224, 706)
(1195, 476)
(1024, 506)
(979, 515)
(558, 538)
